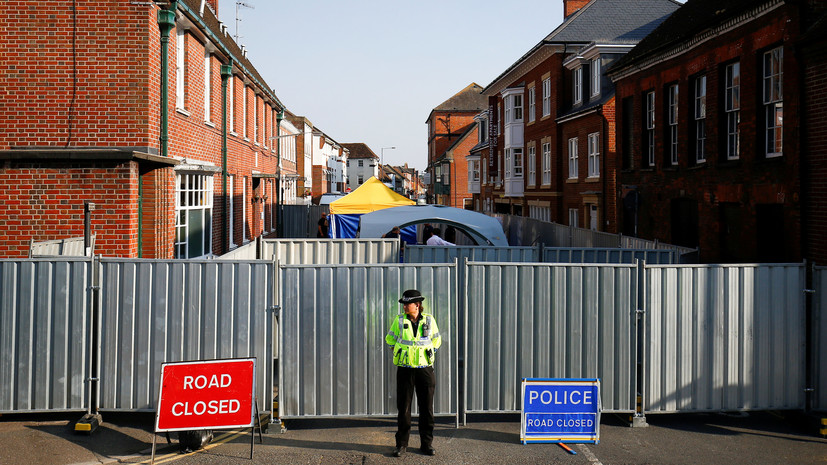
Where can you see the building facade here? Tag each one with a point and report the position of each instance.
(448, 123)
(362, 164)
(708, 158)
(548, 149)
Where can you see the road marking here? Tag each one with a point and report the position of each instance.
(218, 440)
(585, 450)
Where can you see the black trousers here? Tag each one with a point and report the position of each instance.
(423, 381)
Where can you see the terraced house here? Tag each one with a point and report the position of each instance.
(548, 150)
(149, 111)
(710, 128)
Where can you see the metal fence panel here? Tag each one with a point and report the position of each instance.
(549, 321)
(608, 255)
(70, 247)
(334, 360)
(44, 327)
(248, 251)
(447, 254)
(724, 338)
(819, 338)
(156, 311)
(331, 251)
(300, 221)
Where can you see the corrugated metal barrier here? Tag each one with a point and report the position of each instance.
(331, 251)
(447, 254)
(44, 328)
(156, 311)
(300, 221)
(724, 338)
(71, 247)
(334, 360)
(819, 348)
(538, 320)
(608, 255)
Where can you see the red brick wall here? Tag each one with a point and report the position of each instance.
(814, 150)
(45, 201)
(459, 175)
(746, 183)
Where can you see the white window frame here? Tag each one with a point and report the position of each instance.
(207, 86)
(594, 155)
(573, 158)
(672, 106)
(773, 87)
(517, 159)
(595, 72)
(196, 191)
(230, 191)
(700, 119)
(244, 113)
(532, 105)
(245, 237)
(577, 84)
(532, 165)
(361, 163)
(231, 104)
(180, 81)
(573, 214)
(507, 173)
(732, 108)
(546, 164)
(650, 127)
(482, 131)
(546, 96)
(255, 119)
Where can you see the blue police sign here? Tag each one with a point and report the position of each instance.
(560, 410)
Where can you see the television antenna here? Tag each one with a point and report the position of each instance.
(240, 4)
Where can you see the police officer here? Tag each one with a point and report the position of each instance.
(415, 338)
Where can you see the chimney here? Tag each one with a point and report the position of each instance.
(571, 7)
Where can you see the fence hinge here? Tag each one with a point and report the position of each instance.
(809, 390)
(275, 309)
(640, 311)
(92, 379)
(94, 288)
(809, 291)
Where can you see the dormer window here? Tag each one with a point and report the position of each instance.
(577, 84)
(595, 72)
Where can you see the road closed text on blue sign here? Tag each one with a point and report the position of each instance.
(560, 410)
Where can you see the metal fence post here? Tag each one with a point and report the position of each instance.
(639, 418)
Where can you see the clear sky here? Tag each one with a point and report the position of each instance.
(372, 70)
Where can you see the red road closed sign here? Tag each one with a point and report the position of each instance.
(209, 394)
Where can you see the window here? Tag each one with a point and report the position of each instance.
(595, 71)
(672, 93)
(518, 162)
(577, 83)
(573, 158)
(546, 97)
(244, 235)
(244, 112)
(773, 101)
(193, 215)
(700, 119)
(207, 86)
(650, 128)
(231, 193)
(231, 103)
(255, 119)
(732, 108)
(474, 167)
(514, 108)
(573, 217)
(594, 155)
(361, 164)
(546, 164)
(483, 130)
(484, 172)
(531, 105)
(180, 60)
(360, 180)
(507, 163)
(532, 165)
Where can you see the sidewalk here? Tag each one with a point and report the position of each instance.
(697, 439)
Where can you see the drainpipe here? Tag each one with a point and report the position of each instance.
(166, 21)
(279, 228)
(226, 74)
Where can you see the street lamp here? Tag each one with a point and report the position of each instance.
(382, 151)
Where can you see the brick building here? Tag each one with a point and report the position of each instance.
(548, 151)
(450, 126)
(177, 167)
(707, 157)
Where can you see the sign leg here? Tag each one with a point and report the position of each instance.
(152, 460)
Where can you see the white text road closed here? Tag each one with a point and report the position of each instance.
(560, 410)
(206, 395)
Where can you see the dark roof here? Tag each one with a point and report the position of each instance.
(613, 21)
(694, 17)
(360, 150)
(607, 22)
(468, 99)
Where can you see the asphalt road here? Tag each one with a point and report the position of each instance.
(686, 439)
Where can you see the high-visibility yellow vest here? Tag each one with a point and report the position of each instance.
(412, 350)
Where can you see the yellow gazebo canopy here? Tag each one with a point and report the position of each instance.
(369, 197)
